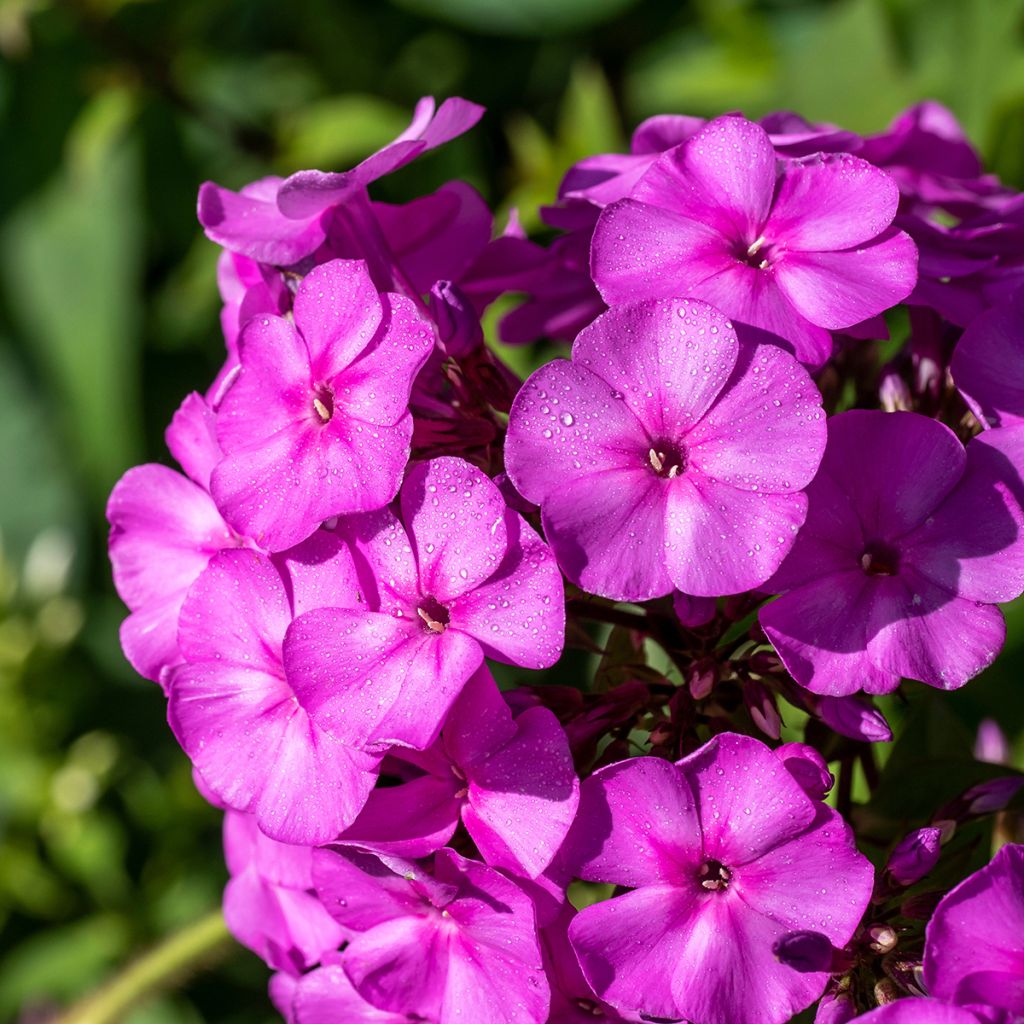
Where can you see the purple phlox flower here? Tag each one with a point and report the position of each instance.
(562, 299)
(667, 454)
(855, 717)
(246, 288)
(974, 943)
(724, 854)
(164, 528)
(835, 1008)
(915, 855)
(460, 576)
(930, 158)
(326, 996)
(921, 1011)
(269, 904)
(233, 705)
(991, 744)
(316, 422)
(281, 222)
(458, 944)
(987, 364)
(808, 767)
(510, 779)
(799, 248)
(909, 542)
(572, 999)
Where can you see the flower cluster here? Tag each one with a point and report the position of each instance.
(719, 508)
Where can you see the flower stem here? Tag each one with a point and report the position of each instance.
(193, 948)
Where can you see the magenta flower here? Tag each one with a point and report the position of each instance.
(988, 364)
(326, 996)
(799, 249)
(269, 903)
(458, 945)
(908, 544)
(974, 944)
(164, 528)
(459, 577)
(316, 424)
(724, 854)
(510, 779)
(280, 222)
(233, 705)
(923, 1011)
(915, 855)
(667, 454)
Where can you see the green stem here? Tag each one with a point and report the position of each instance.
(197, 946)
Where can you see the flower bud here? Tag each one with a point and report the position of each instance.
(915, 855)
(761, 705)
(808, 767)
(991, 746)
(805, 951)
(458, 326)
(893, 392)
(855, 717)
(882, 938)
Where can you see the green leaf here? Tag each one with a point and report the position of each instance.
(34, 468)
(522, 18)
(71, 264)
(338, 132)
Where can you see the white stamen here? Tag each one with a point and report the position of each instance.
(432, 624)
(674, 471)
(657, 460)
(321, 410)
(754, 246)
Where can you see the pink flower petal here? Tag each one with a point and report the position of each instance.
(725, 174)
(526, 793)
(820, 632)
(678, 357)
(722, 540)
(642, 251)
(922, 631)
(518, 614)
(747, 802)
(455, 517)
(767, 430)
(326, 996)
(840, 289)
(638, 825)
(255, 227)
(337, 310)
(368, 677)
(192, 439)
(831, 201)
(589, 430)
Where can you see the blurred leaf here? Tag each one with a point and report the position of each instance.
(588, 121)
(336, 133)
(71, 265)
(34, 468)
(690, 73)
(840, 65)
(521, 18)
(61, 962)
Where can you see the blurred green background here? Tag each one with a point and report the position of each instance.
(111, 114)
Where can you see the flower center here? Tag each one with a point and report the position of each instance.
(434, 615)
(323, 402)
(589, 1006)
(759, 254)
(667, 459)
(713, 876)
(880, 559)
